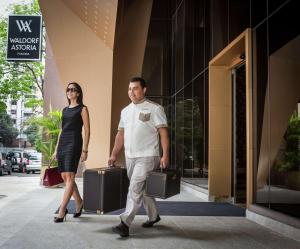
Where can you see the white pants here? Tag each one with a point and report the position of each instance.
(137, 170)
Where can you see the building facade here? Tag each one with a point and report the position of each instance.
(19, 113)
(226, 71)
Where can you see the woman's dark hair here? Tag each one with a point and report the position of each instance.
(79, 91)
(139, 79)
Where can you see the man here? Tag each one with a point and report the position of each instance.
(142, 127)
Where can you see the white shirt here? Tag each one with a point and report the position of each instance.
(141, 123)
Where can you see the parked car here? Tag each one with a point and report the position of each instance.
(5, 164)
(34, 163)
(18, 160)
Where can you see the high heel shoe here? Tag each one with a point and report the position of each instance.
(58, 220)
(76, 215)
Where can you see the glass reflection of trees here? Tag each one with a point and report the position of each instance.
(189, 126)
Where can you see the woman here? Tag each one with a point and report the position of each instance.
(70, 148)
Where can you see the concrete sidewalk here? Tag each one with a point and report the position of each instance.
(26, 221)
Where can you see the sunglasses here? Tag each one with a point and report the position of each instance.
(71, 89)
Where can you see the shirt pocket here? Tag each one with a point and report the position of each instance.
(144, 116)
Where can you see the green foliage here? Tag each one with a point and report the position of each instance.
(291, 157)
(34, 103)
(26, 9)
(188, 126)
(7, 130)
(32, 132)
(18, 79)
(47, 135)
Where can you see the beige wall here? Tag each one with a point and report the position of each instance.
(78, 51)
(54, 97)
(128, 56)
(81, 56)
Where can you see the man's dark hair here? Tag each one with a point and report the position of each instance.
(139, 79)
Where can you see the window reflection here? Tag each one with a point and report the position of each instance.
(278, 161)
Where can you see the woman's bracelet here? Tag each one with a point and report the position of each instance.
(85, 151)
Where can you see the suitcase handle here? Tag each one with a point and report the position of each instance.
(162, 169)
(114, 166)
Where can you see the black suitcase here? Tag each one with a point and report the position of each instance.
(105, 189)
(163, 184)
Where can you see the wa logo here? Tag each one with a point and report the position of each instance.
(24, 25)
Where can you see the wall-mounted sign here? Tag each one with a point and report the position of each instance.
(24, 40)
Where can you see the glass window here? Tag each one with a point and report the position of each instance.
(207, 34)
(239, 17)
(33, 157)
(275, 4)
(188, 41)
(219, 25)
(258, 11)
(179, 49)
(276, 78)
(157, 58)
(17, 154)
(187, 132)
(179, 127)
(172, 131)
(199, 29)
(280, 32)
(173, 54)
(261, 110)
(199, 127)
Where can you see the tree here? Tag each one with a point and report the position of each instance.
(48, 129)
(18, 79)
(7, 131)
(32, 133)
(291, 154)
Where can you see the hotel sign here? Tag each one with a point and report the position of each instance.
(24, 40)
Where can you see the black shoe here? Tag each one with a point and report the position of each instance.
(58, 220)
(149, 223)
(76, 215)
(122, 229)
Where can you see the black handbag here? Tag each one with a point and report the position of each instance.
(163, 183)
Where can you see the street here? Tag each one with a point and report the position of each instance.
(27, 211)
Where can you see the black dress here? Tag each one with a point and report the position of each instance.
(70, 142)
